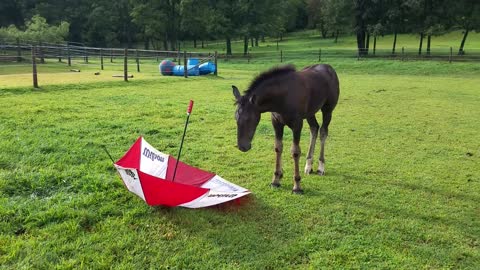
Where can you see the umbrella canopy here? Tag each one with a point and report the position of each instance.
(148, 173)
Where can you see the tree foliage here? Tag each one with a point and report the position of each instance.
(163, 23)
(37, 30)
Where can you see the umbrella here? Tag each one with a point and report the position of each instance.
(149, 174)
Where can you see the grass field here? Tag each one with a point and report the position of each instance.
(401, 191)
(311, 40)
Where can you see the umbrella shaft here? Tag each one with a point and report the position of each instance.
(181, 145)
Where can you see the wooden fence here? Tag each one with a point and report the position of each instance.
(26, 54)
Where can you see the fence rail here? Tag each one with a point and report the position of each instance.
(405, 54)
(22, 52)
(82, 55)
(26, 54)
(18, 51)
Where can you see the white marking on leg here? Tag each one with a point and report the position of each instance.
(308, 166)
(321, 168)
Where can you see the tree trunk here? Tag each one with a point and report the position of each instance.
(367, 44)
(421, 43)
(429, 37)
(256, 41)
(263, 37)
(194, 43)
(461, 51)
(394, 42)
(251, 42)
(165, 42)
(229, 46)
(336, 36)
(323, 30)
(361, 42)
(374, 44)
(360, 25)
(245, 45)
(146, 43)
(202, 44)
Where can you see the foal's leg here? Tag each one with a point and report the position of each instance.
(297, 130)
(278, 173)
(327, 117)
(312, 121)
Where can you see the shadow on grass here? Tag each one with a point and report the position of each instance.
(245, 231)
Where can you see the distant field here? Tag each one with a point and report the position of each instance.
(308, 40)
(401, 191)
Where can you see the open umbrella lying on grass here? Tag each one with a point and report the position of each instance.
(148, 173)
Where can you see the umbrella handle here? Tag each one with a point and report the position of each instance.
(189, 110)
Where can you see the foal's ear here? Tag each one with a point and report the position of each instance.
(236, 93)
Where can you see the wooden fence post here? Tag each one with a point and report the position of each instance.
(451, 54)
(101, 59)
(281, 56)
(42, 59)
(34, 68)
(60, 54)
(125, 65)
(185, 71)
(86, 55)
(403, 53)
(19, 51)
(319, 55)
(68, 55)
(138, 61)
(216, 66)
(111, 55)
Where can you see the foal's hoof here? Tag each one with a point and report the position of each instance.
(297, 191)
(308, 171)
(320, 172)
(275, 185)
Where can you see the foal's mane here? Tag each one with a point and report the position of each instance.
(269, 74)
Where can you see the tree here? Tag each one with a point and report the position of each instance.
(316, 16)
(375, 30)
(427, 18)
(337, 16)
(395, 19)
(194, 26)
(361, 7)
(159, 20)
(37, 30)
(150, 19)
(466, 14)
(11, 13)
(227, 20)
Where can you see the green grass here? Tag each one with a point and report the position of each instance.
(311, 41)
(401, 191)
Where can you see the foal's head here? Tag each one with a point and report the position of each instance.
(247, 116)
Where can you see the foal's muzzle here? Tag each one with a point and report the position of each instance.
(244, 148)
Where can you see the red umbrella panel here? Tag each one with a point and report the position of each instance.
(148, 173)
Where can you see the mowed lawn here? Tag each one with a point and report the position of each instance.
(401, 191)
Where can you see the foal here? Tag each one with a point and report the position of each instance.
(290, 96)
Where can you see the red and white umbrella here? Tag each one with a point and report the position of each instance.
(148, 173)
